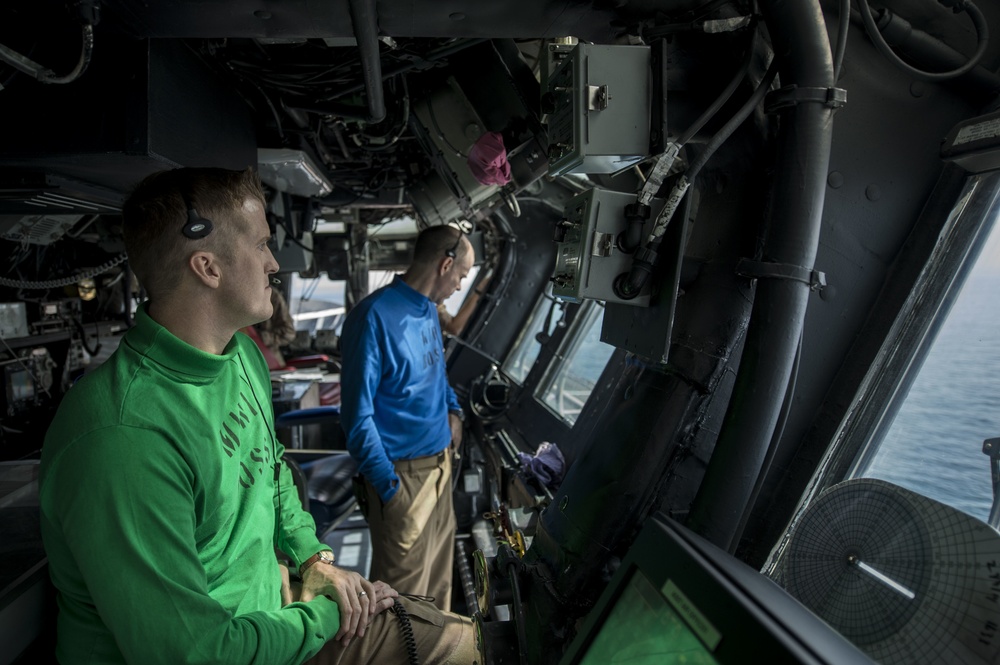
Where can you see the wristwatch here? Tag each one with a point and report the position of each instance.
(460, 414)
(323, 556)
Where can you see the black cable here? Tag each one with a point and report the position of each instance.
(723, 97)
(404, 626)
(975, 15)
(296, 241)
(631, 283)
(843, 25)
(734, 122)
(83, 338)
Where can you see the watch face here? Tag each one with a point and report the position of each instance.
(326, 556)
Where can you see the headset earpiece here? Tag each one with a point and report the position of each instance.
(197, 227)
(452, 252)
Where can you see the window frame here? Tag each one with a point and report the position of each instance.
(591, 313)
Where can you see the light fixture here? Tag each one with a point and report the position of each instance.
(292, 171)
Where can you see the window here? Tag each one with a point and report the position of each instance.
(580, 360)
(935, 444)
(455, 301)
(316, 304)
(526, 348)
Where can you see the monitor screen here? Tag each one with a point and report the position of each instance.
(20, 385)
(676, 598)
(646, 627)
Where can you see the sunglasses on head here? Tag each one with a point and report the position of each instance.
(464, 228)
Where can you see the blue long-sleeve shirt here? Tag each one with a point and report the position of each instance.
(395, 396)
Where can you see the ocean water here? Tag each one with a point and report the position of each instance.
(934, 446)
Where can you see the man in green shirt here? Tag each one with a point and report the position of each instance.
(162, 492)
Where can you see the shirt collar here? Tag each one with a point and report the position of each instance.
(161, 346)
(408, 292)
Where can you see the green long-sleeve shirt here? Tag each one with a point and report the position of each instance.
(159, 505)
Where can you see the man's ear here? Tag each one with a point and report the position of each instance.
(445, 265)
(206, 268)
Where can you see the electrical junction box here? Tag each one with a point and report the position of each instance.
(588, 259)
(599, 106)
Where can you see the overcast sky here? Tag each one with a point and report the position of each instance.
(989, 260)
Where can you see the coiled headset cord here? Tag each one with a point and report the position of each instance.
(404, 624)
(407, 630)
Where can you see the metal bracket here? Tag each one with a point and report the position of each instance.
(815, 279)
(793, 95)
(597, 97)
(604, 244)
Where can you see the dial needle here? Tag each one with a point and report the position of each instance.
(891, 583)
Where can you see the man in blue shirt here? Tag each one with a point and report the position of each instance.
(402, 418)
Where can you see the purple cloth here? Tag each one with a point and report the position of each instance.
(546, 465)
(488, 160)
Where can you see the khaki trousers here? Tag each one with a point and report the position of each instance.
(413, 536)
(441, 638)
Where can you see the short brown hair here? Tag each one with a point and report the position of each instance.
(434, 243)
(157, 209)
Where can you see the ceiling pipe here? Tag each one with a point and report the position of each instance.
(365, 23)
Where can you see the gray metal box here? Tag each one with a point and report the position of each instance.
(600, 97)
(588, 258)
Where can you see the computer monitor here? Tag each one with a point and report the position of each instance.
(20, 385)
(677, 598)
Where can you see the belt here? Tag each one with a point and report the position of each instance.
(421, 463)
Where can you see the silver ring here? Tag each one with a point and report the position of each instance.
(361, 593)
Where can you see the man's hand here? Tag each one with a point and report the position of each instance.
(286, 585)
(385, 597)
(455, 423)
(355, 596)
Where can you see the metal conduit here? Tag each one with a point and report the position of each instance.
(801, 45)
(365, 23)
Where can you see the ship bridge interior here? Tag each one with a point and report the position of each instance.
(714, 241)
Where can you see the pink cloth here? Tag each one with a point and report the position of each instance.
(488, 160)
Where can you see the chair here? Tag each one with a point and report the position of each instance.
(331, 490)
(328, 479)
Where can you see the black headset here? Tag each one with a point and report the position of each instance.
(197, 227)
(452, 252)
